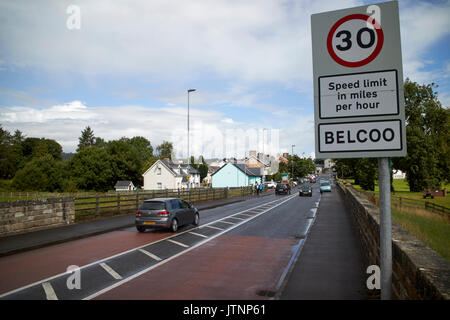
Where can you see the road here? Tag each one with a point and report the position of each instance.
(239, 251)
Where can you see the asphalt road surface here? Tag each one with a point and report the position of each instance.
(239, 251)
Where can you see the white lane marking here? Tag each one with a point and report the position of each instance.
(98, 293)
(131, 250)
(108, 269)
(178, 243)
(244, 214)
(236, 218)
(212, 227)
(198, 234)
(49, 292)
(151, 255)
(225, 222)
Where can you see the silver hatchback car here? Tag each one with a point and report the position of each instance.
(166, 213)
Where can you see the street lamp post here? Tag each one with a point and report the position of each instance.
(189, 91)
(293, 162)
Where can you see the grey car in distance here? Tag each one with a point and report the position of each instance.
(165, 213)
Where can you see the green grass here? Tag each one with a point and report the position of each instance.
(401, 189)
(431, 229)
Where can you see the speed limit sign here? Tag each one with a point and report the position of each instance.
(355, 40)
(358, 82)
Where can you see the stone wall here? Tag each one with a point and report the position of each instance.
(25, 216)
(418, 271)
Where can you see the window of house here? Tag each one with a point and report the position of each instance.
(158, 171)
(159, 184)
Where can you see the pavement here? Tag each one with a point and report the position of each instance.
(330, 264)
(46, 237)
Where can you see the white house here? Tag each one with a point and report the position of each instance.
(164, 174)
(124, 186)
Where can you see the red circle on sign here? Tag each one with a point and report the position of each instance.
(365, 61)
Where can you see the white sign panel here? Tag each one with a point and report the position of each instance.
(358, 82)
(358, 95)
(360, 136)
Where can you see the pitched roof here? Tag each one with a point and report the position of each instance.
(243, 167)
(185, 167)
(123, 184)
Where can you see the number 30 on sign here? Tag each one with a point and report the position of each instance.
(355, 40)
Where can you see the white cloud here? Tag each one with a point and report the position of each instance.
(264, 40)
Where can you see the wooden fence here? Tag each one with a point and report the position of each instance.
(95, 206)
(401, 202)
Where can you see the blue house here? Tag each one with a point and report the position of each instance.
(236, 175)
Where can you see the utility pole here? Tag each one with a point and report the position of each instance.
(292, 160)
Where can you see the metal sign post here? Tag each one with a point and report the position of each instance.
(358, 98)
(384, 182)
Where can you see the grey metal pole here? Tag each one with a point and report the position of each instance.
(385, 229)
(188, 133)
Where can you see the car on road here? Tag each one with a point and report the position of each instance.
(325, 186)
(305, 190)
(270, 185)
(284, 188)
(168, 213)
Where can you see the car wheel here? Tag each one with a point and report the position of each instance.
(140, 229)
(196, 219)
(174, 225)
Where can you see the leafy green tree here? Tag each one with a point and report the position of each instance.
(86, 139)
(40, 174)
(165, 150)
(93, 169)
(38, 147)
(11, 153)
(127, 159)
(427, 163)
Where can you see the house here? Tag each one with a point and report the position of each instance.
(236, 175)
(211, 170)
(164, 174)
(124, 186)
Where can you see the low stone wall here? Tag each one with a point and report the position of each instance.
(31, 215)
(418, 271)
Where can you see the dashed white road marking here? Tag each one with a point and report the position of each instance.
(151, 255)
(198, 234)
(108, 269)
(236, 218)
(225, 222)
(178, 243)
(212, 227)
(249, 213)
(49, 292)
(244, 214)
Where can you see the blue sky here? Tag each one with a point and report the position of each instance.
(126, 71)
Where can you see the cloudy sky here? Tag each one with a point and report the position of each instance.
(126, 70)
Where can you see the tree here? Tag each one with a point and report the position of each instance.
(426, 164)
(165, 150)
(93, 169)
(11, 153)
(86, 139)
(40, 174)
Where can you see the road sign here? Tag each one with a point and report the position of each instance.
(355, 40)
(358, 82)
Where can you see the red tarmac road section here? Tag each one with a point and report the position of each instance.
(24, 268)
(228, 267)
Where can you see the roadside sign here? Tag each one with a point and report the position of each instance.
(358, 83)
